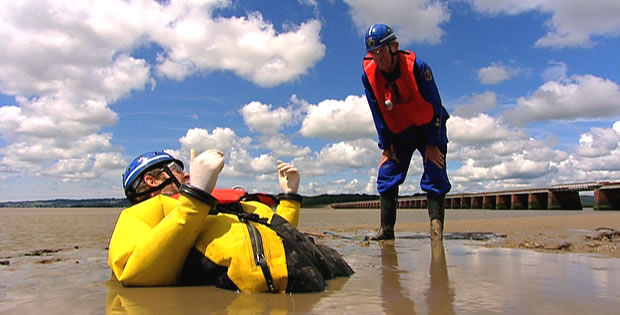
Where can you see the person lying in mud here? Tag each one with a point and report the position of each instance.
(178, 233)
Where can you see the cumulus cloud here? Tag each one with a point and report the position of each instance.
(598, 142)
(516, 160)
(353, 154)
(473, 105)
(479, 129)
(339, 119)
(200, 43)
(573, 23)
(493, 156)
(260, 117)
(596, 158)
(239, 161)
(68, 62)
(223, 139)
(412, 20)
(579, 97)
(281, 145)
(267, 121)
(496, 73)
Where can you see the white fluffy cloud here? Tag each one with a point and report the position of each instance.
(339, 119)
(412, 20)
(248, 46)
(281, 145)
(223, 139)
(473, 105)
(68, 62)
(354, 154)
(503, 158)
(260, 117)
(580, 97)
(494, 156)
(239, 161)
(598, 142)
(573, 23)
(496, 73)
(476, 130)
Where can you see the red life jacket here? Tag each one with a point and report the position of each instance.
(400, 102)
(226, 196)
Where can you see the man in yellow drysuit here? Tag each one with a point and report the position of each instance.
(176, 234)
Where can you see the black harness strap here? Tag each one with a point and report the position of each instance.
(257, 241)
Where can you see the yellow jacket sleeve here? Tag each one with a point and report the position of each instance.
(289, 211)
(151, 240)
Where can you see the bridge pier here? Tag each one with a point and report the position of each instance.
(503, 202)
(564, 200)
(607, 198)
(476, 202)
(417, 204)
(489, 201)
(519, 202)
(455, 203)
(466, 202)
(537, 201)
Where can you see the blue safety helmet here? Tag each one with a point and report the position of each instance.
(378, 35)
(144, 162)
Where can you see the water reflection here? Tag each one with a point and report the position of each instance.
(440, 296)
(406, 278)
(394, 300)
(208, 300)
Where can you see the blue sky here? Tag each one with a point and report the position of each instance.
(85, 86)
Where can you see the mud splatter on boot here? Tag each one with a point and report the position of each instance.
(436, 230)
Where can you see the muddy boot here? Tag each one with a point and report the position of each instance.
(388, 216)
(436, 212)
(436, 230)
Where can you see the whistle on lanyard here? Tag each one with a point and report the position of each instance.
(388, 101)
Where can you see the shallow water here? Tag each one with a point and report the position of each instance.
(405, 276)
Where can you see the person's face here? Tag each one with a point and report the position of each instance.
(383, 58)
(171, 188)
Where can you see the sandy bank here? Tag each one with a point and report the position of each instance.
(586, 233)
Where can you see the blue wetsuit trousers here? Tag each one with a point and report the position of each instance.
(391, 174)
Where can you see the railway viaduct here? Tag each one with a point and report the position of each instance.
(555, 197)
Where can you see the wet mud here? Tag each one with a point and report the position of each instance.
(57, 268)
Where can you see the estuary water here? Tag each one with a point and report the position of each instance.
(53, 261)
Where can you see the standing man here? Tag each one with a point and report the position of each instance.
(408, 114)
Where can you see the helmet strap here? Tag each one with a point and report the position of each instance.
(170, 180)
(171, 177)
(392, 53)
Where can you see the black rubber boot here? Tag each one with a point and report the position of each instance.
(388, 216)
(436, 213)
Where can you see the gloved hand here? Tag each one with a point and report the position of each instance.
(205, 168)
(288, 177)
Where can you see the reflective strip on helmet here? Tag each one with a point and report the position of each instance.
(370, 29)
(392, 36)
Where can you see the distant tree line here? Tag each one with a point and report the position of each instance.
(324, 200)
(319, 201)
(68, 203)
(309, 201)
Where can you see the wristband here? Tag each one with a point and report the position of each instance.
(290, 196)
(199, 194)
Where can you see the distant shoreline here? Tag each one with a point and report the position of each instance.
(320, 201)
(309, 202)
